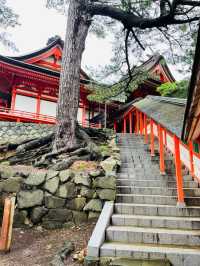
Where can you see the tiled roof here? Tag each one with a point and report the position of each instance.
(169, 112)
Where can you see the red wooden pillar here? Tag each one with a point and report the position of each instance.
(161, 148)
(191, 158)
(13, 99)
(38, 105)
(152, 146)
(145, 130)
(130, 123)
(115, 126)
(179, 177)
(124, 125)
(5, 224)
(141, 123)
(136, 122)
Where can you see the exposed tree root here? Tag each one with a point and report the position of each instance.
(39, 152)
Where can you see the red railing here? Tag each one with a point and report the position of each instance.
(22, 116)
(16, 115)
(183, 154)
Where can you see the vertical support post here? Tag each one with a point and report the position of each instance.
(13, 99)
(141, 124)
(115, 126)
(161, 148)
(152, 146)
(191, 158)
(83, 116)
(99, 113)
(130, 123)
(165, 136)
(179, 177)
(145, 130)
(124, 126)
(136, 122)
(105, 116)
(5, 224)
(38, 105)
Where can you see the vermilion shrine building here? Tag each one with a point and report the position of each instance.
(29, 86)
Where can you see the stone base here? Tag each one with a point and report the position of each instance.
(91, 261)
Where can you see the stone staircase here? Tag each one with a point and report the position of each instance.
(146, 223)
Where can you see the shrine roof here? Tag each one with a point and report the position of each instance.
(169, 112)
(56, 42)
(20, 64)
(24, 60)
(152, 62)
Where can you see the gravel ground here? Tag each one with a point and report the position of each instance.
(37, 246)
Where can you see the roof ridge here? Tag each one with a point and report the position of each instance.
(178, 101)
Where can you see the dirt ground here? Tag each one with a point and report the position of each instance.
(37, 246)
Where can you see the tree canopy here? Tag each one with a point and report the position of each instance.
(140, 23)
(142, 28)
(177, 89)
(7, 19)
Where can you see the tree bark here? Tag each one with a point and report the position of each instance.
(78, 23)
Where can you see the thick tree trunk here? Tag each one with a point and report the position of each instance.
(78, 23)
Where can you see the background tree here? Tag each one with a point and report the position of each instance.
(7, 19)
(135, 18)
(177, 89)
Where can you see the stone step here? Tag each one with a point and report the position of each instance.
(133, 262)
(156, 221)
(154, 183)
(151, 177)
(177, 255)
(189, 192)
(146, 235)
(146, 199)
(155, 199)
(160, 210)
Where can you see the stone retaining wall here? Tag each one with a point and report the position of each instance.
(56, 198)
(17, 132)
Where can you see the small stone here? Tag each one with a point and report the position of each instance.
(106, 194)
(59, 215)
(27, 199)
(35, 179)
(52, 202)
(95, 173)
(65, 175)
(87, 192)
(94, 205)
(67, 190)
(105, 182)
(77, 204)
(19, 218)
(93, 215)
(51, 185)
(6, 173)
(12, 184)
(51, 225)
(82, 179)
(79, 217)
(37, 213)
(109, 165)
(51, 174)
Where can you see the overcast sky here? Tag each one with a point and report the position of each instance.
(39, 23)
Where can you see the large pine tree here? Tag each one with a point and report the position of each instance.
(133, 15)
